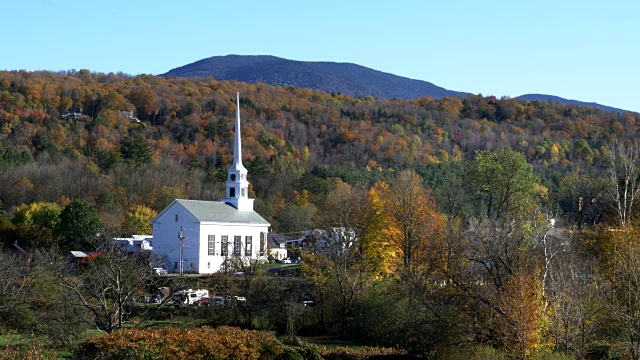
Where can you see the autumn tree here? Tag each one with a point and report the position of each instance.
(35, 224)
(379, 246)
(103, 284)
(334, 262)
(498, 261)
(499, 268)
(621, 267)
(15, 286)
(138, 220)
(573, 294)
(584, 198)
(414, 213)
(39, 213)
(504, 182)
(623, 168)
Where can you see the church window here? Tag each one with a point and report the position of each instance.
(263, 243)
(247, 246)
(237, 245)
(212, 245)
(176, 217)
(175, 264)
(244, 192)
(232, 192)
(225, 245)
(209, 265)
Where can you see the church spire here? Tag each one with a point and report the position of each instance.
(237, 147)
(237, 183)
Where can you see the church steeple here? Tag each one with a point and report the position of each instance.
(237, 183)
(237, 147)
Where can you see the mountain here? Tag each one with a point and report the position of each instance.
(345, 78)
(543, 97)
(332, 77)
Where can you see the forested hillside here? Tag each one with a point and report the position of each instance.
(293, 139)
(494, 227)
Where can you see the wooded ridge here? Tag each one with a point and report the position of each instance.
(345, 78)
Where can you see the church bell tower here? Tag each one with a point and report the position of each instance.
(237, 183)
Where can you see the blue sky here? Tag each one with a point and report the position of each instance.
(584, 50)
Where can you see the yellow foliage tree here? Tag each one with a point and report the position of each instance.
(44, 214)
(138, 220)
(378, 240)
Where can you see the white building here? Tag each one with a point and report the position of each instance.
(135, 243)
(205, 234)
(277, 245)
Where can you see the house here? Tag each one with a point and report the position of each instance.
(72, 113)
(201, 236)
(277, 245)
(130, 115)
(75, 258)
(19, 252)
(136, 243)
(323, 239)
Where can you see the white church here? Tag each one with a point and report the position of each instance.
(200, 236)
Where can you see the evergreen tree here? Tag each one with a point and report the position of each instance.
(135, 150)
(77, 225)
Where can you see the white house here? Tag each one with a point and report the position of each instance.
(277, 245)
(135, 243)
(199, 236)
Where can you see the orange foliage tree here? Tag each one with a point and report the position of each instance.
(414, 214)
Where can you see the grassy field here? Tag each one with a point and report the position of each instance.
(20, 346)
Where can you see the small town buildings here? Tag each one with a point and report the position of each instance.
(320, 238)
(199, 236)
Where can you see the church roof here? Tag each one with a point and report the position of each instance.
(217, 211)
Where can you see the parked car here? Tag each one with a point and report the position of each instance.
(159, 271)
(156, 299)
(216, 301)
(190, 296)
(287, 261)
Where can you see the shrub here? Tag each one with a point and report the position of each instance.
(205, 343)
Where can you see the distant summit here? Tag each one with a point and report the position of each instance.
(344, 78)
(543, 97)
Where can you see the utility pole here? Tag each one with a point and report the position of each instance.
(181, 237)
